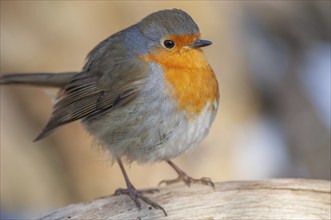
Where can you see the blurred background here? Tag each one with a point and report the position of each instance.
(272, 60)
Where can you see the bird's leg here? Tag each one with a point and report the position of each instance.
(182, 176)
(134, 194)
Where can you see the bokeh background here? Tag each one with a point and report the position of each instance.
(272, 60)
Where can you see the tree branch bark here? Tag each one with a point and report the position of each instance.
(269, 199)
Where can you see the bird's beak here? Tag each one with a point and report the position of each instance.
(201, 43)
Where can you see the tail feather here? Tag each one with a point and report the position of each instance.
(38, 79)
(59, 80)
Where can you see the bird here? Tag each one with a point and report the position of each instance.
(146, 94)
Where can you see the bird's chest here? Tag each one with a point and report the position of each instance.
(182, 105)
(192, 89)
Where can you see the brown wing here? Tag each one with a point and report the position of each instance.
(83, 99)
(110, 79)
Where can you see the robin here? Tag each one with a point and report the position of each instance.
(146, 94)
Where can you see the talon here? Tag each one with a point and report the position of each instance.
(189, 182)
(182, 176)
(134, 194)
(207, 181)
(138, 203)
(151, 191)
(169, 182)
(119, 191)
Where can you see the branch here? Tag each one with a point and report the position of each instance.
(269, 199)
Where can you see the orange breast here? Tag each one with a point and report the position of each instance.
(191, 79)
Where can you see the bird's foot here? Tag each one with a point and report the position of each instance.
(137, 195)
(189, 180)
(182, 176)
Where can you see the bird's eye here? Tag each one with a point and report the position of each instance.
(169, 44)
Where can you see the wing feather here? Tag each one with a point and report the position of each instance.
(111, 78)
(85, 100)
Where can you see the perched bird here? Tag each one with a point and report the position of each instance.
(146, 94)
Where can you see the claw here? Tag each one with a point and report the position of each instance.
(207, 181)
(135, 195)
(150, 191)
(169, 182)
(182, 176)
